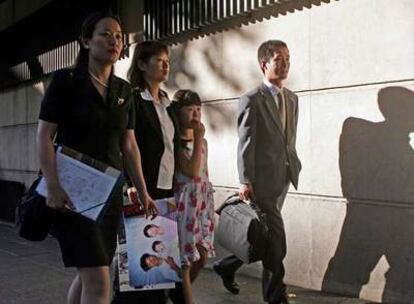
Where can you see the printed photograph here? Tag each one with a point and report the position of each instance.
(149, 255)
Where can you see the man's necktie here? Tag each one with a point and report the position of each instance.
(282, 109)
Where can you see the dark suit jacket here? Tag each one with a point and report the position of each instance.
(149, 138)
(266, 154)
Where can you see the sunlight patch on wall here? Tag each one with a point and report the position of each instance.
(375, 286)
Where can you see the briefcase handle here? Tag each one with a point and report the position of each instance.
(234, 199)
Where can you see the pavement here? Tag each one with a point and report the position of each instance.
(32, 273)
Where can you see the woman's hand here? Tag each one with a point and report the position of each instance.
(58, 199)
(149, 205)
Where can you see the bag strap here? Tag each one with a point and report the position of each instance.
(234, 199)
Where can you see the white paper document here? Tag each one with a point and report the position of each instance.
(87, 182)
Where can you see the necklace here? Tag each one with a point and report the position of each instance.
(98, 80)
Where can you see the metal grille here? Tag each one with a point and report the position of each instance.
(21, 71)
(59, 58)
(36, 68)
(174, 21)
(171, 21)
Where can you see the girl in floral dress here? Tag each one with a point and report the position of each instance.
(193, 191)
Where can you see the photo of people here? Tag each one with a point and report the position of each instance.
(123, 272)
(150, 251)
(151, 261)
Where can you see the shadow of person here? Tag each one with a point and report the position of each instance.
(376, 161)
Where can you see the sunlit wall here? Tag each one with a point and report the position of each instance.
(352, 67)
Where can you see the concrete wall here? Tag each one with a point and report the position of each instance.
(349, 225)
(19, 111)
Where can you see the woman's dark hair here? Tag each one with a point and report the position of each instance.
(184, 98)
(87, 29)
(143, 52)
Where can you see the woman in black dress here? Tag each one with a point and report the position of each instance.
(90, 110)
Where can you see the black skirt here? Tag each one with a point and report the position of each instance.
(87, 243)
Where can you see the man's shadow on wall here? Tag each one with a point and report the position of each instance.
(377, 170)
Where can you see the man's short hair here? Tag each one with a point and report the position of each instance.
(268, 48)
(143, 261)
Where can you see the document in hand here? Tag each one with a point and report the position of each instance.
(87, 181)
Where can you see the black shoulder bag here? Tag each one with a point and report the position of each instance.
(33, 216)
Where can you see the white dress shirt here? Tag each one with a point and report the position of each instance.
(166, 172)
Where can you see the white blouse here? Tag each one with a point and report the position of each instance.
(166, 172)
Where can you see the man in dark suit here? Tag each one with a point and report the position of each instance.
(267, 163)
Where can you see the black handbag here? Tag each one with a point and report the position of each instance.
(242, 229)
(33, 216)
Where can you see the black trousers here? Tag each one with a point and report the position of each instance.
(273, 269)
(149, 296)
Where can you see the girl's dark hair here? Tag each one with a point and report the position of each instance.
(184, 98)
(154, 244)
(87, 29)
(143, 52)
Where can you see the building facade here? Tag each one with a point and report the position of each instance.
(350, 223)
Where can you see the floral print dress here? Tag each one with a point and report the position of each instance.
(195, 210)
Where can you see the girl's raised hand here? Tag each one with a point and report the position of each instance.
(199, 130)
